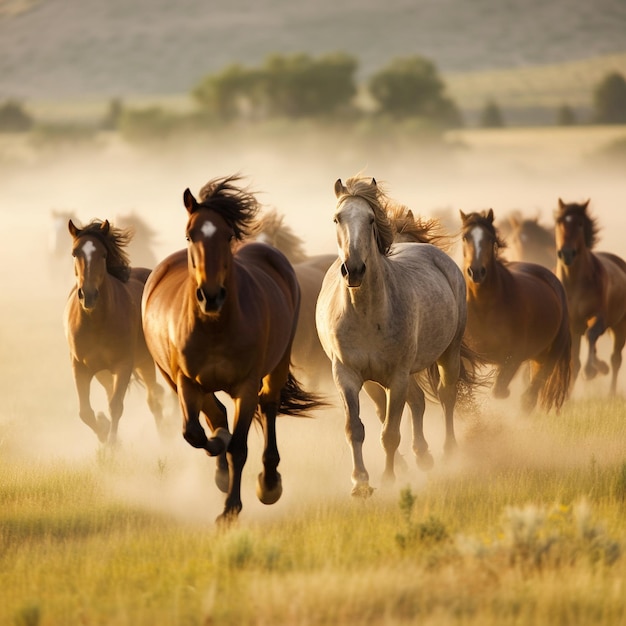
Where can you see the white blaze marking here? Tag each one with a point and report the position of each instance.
(208, 229)
(477, 234)
(89, 248)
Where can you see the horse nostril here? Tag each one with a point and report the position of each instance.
(200, 295)
(470, 272)
(344, 270)
(81, 294)
(483, 272)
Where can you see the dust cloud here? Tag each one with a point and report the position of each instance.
(504, 170)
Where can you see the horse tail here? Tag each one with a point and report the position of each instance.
(556, 387)
(297, 402)
(470, 378)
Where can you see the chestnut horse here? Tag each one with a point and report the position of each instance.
(530, 241)
(219, 316)
(103, 325)
(595, 283)
(516, 312)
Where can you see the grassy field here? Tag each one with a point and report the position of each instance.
(525, 525)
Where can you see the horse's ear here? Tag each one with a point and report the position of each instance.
(104, 227)
(340, 190)
(374, 184)
(190, 201)
(561, 204)
(463, 215)
(490, 215)
(72, 228)
(409, 215)
(586, 204)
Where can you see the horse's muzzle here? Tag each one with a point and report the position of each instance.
(477, 274)
(353, 276)
(210, 303)
(566, 255)
(88, 298)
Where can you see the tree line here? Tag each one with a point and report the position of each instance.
(325, 88)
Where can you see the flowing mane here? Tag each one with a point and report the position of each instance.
(590, 224)
(481, 219)
(115, 242)
(362, 187)
(270, 227)
(415, 229)
(237, 206)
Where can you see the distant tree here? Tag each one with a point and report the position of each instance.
(228, 94)
(410, 87)
(609, 98)
(300, 86)
(13, 118)
(291, 86)
(565, 116)
(491, 116)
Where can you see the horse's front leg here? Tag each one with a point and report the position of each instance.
(121, 380)
(82, 381)
(192, 400)
(594, 366)
(390, 435)
(349, 385)
(575, 359)
(417, 403)
(237, 455)
(217, 419)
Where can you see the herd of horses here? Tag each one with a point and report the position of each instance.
(245, 311)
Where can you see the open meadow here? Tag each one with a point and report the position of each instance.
(525, 525)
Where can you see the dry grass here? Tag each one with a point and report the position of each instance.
(525, 526)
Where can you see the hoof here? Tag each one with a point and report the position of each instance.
(103, 427)
(425, 461)
(269, 495)
(222, 479)
(362, 491)
(218, 444)
(603, 368)
(228, 518)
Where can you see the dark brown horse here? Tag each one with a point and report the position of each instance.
(516, 312)
(103, 325)
(222, 317)
(595, 283)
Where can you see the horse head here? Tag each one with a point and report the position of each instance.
(90, 262)
(574, 231)
(210, 255)
(480, 244)
(362, 227)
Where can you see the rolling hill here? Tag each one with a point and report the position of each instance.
(69, 49)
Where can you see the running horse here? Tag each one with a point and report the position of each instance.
(221, 316)
(595, 283)
(530, 241)
(516, 312)
(102, 322)
(386, 312)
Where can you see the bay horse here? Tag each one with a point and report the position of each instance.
(595, 284)
(516, 313)
(221, 316)
(102, 322)
(385, 313)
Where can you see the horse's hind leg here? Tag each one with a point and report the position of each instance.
(269, 483)
(82, 379)
(449, 366)
(594, 365)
